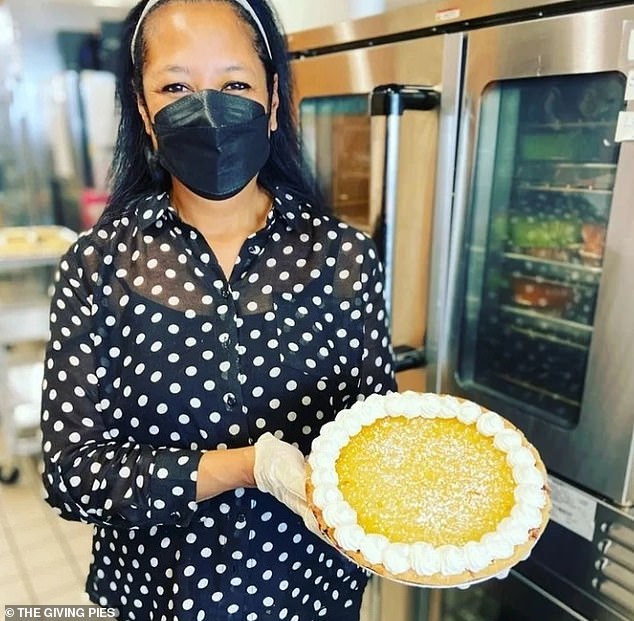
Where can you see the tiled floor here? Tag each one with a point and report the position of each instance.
(43, 559)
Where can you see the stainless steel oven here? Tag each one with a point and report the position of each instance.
(487, 147)
(542, 281)
(369, 120)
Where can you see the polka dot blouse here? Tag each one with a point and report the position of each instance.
(155, 357)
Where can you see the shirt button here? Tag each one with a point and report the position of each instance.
(230, 400)
(225, 293)
(254, 249)
(241, 518)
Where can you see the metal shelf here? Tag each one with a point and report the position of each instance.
(563, 189)
(549, 326)
(25, 254)
(570, 273)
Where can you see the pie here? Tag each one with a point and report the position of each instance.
(427, 489)
(23, 241)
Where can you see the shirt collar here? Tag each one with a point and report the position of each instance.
(154, 208)
(295, 213)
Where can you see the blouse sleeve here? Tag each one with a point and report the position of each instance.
(90, 474)
(377, 373)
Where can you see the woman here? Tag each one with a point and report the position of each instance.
(203, 332)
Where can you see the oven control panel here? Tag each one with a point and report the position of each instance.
(614, 566)
(586, 554)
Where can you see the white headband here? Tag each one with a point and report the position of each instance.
(243, 3)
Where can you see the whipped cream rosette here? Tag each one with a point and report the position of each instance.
(427, 489)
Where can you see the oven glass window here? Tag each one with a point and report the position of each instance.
(335, 135)
(544, 174)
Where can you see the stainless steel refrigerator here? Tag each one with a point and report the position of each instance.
(488, 150)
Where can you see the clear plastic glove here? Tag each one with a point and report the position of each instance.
(280, 470)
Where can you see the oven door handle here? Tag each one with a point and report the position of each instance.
(391, 101)
(406, 358)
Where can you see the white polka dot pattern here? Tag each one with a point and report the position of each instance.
(154, 357)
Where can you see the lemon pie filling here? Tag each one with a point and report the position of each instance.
(412, 482)
(426, 483)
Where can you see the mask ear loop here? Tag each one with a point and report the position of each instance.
(154, 166)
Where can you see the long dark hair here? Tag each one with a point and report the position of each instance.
(135, 173)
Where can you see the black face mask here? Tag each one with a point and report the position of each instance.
(212, 142)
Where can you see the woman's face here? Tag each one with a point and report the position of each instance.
(196, 46)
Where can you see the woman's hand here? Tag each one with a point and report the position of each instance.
(223, 470)
(280, 470)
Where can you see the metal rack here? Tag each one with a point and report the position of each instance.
(28, 257)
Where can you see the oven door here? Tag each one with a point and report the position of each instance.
(542, 264)
(370, 122)
(514, 599)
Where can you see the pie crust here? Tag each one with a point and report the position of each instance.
(427, 489)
